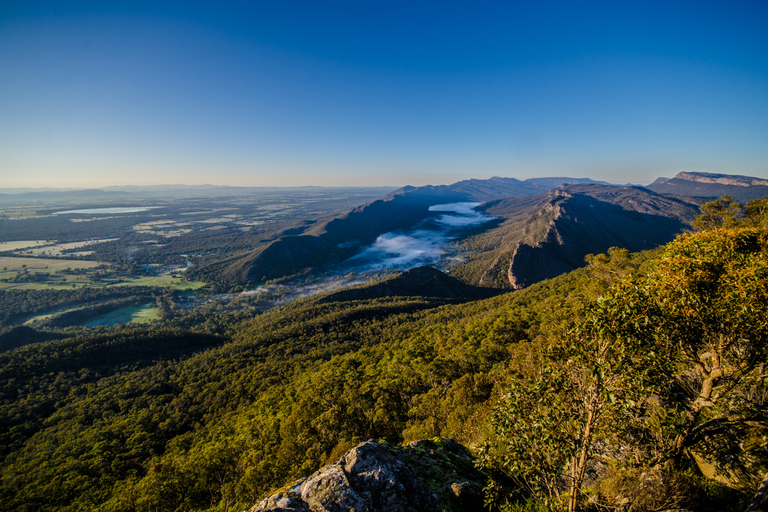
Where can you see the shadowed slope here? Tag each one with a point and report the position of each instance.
(546, 235)
(416, 282)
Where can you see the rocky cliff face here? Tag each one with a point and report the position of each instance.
(703, 184)
(425, 476)
(721, 179)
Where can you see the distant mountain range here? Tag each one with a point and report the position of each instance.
(11, 196)
(492, 188)
(542, 228)
(39, 195)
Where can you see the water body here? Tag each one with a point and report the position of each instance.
(102, 211)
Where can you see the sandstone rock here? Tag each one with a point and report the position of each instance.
(288, 501)
(373, 477)
(329, 489)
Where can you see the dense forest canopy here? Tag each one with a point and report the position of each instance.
(633, 383)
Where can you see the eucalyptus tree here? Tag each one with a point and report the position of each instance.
(711, 289)
(697, 321)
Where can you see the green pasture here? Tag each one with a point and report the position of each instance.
(129, 314)
(61, 249)
(56, 285)
(10, 266)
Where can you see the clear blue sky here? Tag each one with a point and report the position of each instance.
(379, 92)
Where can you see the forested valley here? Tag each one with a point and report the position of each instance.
(634, 383)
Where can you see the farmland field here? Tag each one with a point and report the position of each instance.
(60, 249)
(22, 244)
(50, 269)
(17, 264)
(64, 253)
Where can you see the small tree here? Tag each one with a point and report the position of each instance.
(718, 213)
(756, 213)
(534, 437)
(614, 360)
(546, 430)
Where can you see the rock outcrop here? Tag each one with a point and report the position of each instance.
(425, 476)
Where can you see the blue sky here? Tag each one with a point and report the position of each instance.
(379, 93)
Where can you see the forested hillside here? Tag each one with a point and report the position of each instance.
(635, 383)
(287, 391)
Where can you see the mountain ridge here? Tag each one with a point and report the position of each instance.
(669, 205)
(334, 240)
(545, 235)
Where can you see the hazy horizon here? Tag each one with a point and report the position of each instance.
(209, 185)
(378, 94)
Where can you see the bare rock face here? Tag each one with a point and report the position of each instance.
(722, 179)
(708, 185)
(289, 501)
(373, 477)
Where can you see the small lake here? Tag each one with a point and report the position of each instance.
(102, 211)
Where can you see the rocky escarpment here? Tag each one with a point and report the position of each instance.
(583, 221)
(543, 236)
(721, 179)
(704, 184)
(425, 476)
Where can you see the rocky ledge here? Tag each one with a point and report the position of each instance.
(425, 476)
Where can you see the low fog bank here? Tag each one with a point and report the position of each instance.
(277, 294)
(431, 242)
